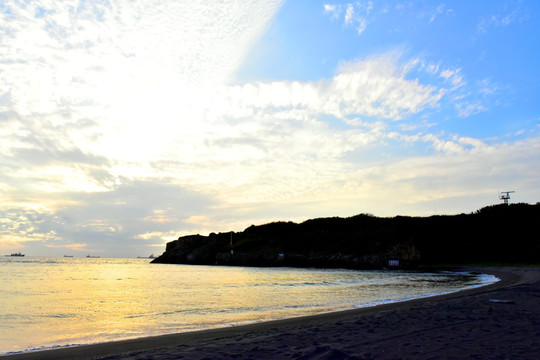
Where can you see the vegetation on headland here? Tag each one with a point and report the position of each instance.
(503, 234)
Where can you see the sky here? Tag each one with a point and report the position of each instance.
(126, 124)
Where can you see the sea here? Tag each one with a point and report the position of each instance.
(47, 302)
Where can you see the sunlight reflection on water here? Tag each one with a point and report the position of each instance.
(51, 302)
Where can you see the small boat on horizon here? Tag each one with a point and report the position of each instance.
(68, 255)
(92, 257)
(145, 257)
(16, 254)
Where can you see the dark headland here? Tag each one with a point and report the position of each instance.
(498, 234)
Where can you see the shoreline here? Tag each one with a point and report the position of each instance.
(209, 343)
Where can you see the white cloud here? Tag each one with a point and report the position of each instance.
(127, 66)
(329, 8)
(454, 77)
(332, 10)
(375, 87)
(466, 109)
(130, 70)
(378, 87)
(349, 14)
(250, 145)
(355, 14)
(460, 181)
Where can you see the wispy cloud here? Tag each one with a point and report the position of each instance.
(353, 15)
(439, 10)
(502, 19)
(466, 109)
(373, 87)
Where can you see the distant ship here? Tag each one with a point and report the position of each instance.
(144, 257)
(16, 254)
(68, 255)
(92, 257)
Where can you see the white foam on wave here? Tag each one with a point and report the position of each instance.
(485, 279)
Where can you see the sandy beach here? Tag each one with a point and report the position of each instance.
(500, 321)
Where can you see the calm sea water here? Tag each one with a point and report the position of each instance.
(51, 302)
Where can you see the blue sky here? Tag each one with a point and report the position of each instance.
(491, 44)
(124, 125)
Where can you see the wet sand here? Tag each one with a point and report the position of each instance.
(500, 321)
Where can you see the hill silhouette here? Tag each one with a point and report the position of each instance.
(494, 234)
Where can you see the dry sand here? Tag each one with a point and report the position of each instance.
(500, 321)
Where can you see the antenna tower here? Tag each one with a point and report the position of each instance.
(505, 196)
